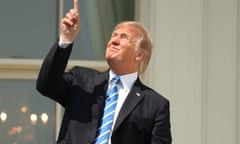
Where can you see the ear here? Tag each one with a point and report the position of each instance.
(139, 57)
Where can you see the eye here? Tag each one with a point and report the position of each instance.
(124, 36)
(114, 34)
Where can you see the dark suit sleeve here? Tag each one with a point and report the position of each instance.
(51, 80)
(161, 133)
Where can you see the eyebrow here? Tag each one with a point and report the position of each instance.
(122, 33)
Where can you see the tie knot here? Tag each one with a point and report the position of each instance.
(116, 80)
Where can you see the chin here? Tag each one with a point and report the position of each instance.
(111, 56)
(112, 60)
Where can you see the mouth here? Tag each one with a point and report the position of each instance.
(114, 48)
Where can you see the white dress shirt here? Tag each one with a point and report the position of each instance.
(124, 88)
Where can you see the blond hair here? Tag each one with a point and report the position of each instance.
(144, 42)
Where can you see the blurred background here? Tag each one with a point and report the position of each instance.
(195, 63)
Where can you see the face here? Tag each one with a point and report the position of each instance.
(121, 48)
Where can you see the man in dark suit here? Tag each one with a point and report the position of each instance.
(141, 115)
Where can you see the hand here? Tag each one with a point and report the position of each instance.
(70, 24)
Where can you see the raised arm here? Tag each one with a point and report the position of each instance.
(51, 81)
(71, 24)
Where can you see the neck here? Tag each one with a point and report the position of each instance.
(122, 70)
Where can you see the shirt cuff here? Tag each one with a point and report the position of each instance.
(62, 44)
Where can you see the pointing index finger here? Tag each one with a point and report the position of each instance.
(76, 5)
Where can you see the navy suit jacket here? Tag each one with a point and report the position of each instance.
(143, 118)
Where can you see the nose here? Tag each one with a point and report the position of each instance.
(115, 40)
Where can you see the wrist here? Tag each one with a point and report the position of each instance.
(64, 43)
(65, 39)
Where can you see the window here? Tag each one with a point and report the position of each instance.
(28, 28)
(25, 116)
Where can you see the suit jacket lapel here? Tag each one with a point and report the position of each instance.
(133, 98)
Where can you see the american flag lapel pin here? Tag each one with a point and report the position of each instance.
(138, 94)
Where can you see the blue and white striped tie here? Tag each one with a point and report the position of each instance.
(104, 130)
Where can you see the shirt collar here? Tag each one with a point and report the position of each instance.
(127, 80)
